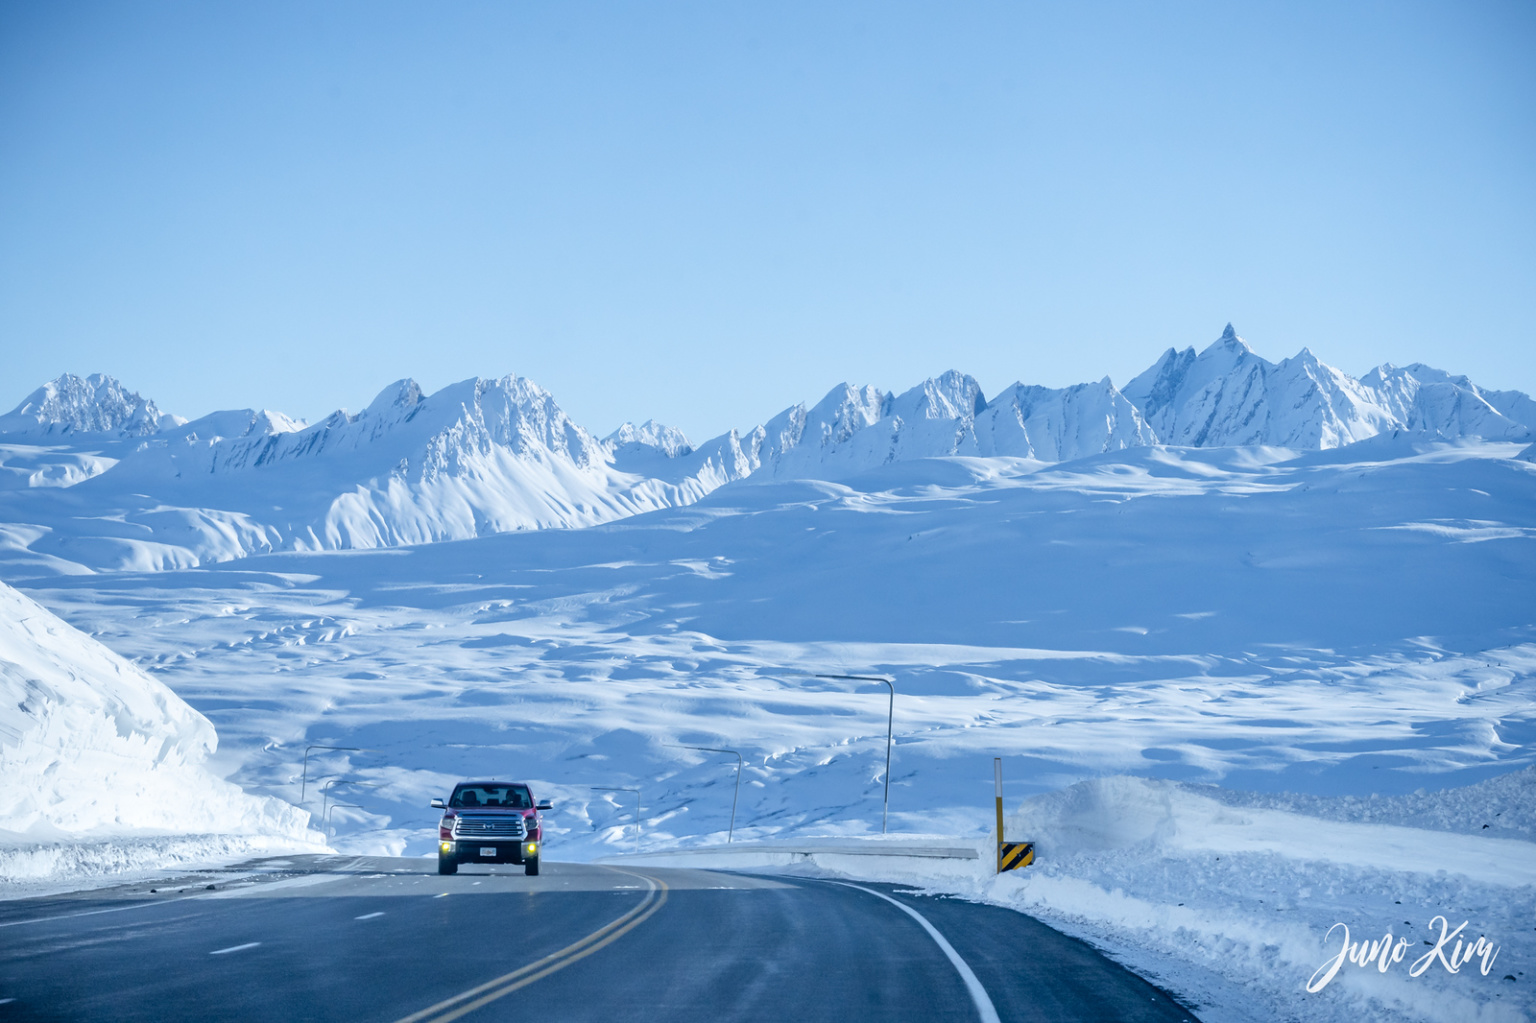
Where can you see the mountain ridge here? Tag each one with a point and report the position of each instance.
(96, 475)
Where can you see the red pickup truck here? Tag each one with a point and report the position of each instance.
(489, 822)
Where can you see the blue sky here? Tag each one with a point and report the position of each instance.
(703, 212)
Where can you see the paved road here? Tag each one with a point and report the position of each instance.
(384, 939)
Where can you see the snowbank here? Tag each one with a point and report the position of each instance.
(1190, 880)
(33, 869)
(1232, 899)
(104, 766)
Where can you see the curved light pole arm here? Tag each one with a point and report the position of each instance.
(890, 721)
(735, 798)
(621, 788)
(304, 785)
(325, 817)
(890, 724)
(730, 834)
(330, 786)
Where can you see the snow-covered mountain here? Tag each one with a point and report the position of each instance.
(1061, 425)
(854, 429)
(71, 429)
(95, 476)
(1426, 400)
(96, 404)
(1228, 396)
(668, 440)
(480, 456)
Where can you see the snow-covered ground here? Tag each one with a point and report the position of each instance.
(1305, 631)
(1230, 896)
(104, 766)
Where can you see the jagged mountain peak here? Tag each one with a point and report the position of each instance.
(1228, 395)
(403, 395)
(1430, 401)
(845, 410)
(233, 424)
(950, 395)
(94, 404)
(1057, 424)
(669, 440)
(1430, 375)
(1231, 344)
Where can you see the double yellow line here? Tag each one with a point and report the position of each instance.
(474, 998)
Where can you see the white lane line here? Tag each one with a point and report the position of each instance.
(6, 1001)
(984, 1007)
(369, 916)
(235, 948)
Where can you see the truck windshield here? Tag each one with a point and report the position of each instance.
(515, 797)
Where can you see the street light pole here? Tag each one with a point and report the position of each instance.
(620, 788)
(890, 720)
(730, 834)
(325, 817)
(331, 783)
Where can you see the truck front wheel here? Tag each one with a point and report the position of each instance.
(447, 865)
(531, 866)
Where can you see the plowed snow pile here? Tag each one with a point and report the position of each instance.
(104, 766)
(1224, 895)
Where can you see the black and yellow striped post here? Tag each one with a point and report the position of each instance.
(1010, 855)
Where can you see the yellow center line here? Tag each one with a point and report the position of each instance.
(451, 1008)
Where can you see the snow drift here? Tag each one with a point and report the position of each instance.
(99, 759)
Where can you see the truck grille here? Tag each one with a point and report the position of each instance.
(509, 826)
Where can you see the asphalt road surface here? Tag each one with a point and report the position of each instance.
(366, 939)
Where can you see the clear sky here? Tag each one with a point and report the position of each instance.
(704, 212)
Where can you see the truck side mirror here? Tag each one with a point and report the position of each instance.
(437, 804)
(544, 806)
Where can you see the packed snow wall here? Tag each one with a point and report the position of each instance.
(104, 766)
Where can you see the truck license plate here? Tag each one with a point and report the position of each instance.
(487, 850)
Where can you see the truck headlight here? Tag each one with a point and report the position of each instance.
(445, 846)
(532, 848)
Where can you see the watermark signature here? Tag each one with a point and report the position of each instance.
(1385, 952)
